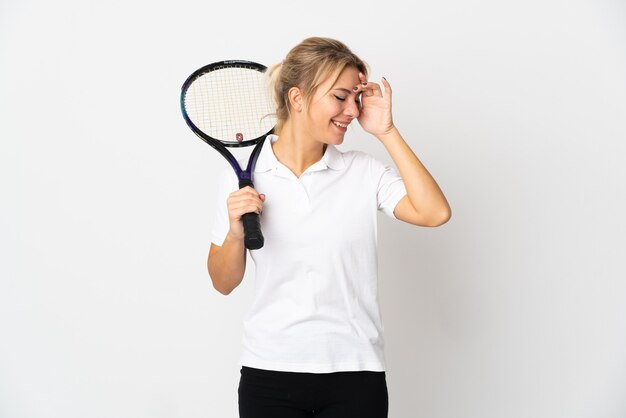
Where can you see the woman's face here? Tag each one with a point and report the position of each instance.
(333, 107)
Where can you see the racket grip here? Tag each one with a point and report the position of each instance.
(253, 237)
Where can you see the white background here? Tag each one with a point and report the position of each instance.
(516, 308)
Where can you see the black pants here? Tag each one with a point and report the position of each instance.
(273, 394)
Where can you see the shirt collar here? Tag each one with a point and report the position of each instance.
(332, 158)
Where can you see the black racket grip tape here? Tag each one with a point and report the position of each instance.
(253, 237)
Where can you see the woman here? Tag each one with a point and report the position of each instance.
(313, 340)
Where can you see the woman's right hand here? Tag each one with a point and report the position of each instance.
(240, 202)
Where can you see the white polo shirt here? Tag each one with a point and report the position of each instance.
(316, 292)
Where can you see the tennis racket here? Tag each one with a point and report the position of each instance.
(228, 104)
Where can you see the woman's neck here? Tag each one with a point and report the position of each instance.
(296, 150)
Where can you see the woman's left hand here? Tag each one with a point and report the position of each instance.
(375, 117)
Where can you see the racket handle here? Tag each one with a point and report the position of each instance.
(253, 238)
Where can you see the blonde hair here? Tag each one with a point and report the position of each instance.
(306, 66)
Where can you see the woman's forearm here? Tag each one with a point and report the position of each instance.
(422, 189)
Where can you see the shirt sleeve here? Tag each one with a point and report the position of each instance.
(227, 183)
(390, 189)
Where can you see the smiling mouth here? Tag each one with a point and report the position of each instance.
(341, 125)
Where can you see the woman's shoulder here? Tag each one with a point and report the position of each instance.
(362, 159)
(356, 156)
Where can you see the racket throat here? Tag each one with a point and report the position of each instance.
(243, 182)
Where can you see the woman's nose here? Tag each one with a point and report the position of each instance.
(352, 110)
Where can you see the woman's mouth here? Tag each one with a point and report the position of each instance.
(340, 124)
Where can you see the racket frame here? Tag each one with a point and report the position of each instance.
(254, 238)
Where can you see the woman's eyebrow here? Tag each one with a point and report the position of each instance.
(342, 89)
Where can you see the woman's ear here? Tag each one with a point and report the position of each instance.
(295, 98)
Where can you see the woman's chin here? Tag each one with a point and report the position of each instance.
(336, 141)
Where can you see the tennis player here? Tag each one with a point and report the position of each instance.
(313, 341)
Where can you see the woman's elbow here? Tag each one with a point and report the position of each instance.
(437, 219)
(220, 286)
(443, 220)
(222, 291)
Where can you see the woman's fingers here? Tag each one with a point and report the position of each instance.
(368, 89)
(387, 88)
(245, 200)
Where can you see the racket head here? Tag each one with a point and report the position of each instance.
(229, 102)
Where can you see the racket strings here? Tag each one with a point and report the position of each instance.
(230, 104)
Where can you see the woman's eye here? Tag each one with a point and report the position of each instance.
(339, 98)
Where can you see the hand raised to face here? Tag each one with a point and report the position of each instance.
(375, 117)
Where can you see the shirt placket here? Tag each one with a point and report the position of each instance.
(303, 188)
